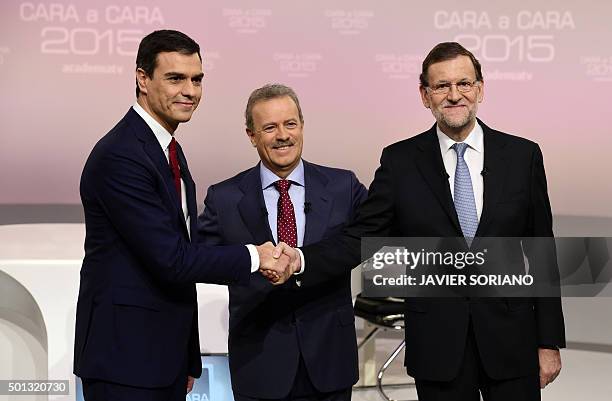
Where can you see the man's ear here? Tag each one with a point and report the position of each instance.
(141, 80)
(251, 136)
(480, 92)
(424, 97)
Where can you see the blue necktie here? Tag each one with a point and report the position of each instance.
(465, 205)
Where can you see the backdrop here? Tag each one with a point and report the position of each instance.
(67, 76)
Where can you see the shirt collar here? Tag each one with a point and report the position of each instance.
(474, 139)
(162, 135)
(268, 178)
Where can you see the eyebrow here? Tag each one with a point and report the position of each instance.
(275, 123)
(181, 75)
(444, 81)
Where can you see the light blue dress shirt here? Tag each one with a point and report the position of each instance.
(297, 193)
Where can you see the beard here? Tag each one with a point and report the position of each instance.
(454, 122)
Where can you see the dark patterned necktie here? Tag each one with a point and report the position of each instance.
(285, 220)
(174, 166)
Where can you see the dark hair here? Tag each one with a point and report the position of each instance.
(267, 92)
(447, 51)
(162, 41)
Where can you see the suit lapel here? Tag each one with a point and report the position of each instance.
(496, 170)
(156, 154)
(190, 190)
(252, 207)
(431, 167)
(319, 203)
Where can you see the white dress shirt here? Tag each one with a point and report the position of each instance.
(474, 158)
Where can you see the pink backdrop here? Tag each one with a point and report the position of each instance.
(66, 74)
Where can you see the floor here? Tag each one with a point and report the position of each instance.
(586, 375)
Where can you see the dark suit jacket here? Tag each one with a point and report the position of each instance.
(136, 320)
(410, 197)
(270, 326)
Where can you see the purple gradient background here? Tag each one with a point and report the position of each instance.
(352, 108)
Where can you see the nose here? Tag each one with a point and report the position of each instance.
(453, 94)
(282, 133)
(190, 89)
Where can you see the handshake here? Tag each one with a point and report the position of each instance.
(278, 263)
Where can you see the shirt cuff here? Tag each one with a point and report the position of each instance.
(303, 265)
(254, 257)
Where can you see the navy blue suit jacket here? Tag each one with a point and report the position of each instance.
(136, 320)
(271, 326)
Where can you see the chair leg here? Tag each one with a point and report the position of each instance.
(382, 370)
(368, 337)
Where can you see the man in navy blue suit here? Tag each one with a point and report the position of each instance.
(285, 342)
(136, 325)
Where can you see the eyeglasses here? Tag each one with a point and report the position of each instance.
(444, 87)
(273, 128)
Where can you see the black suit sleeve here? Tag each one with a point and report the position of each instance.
(360, 194)
(335, 256)
(549, 311)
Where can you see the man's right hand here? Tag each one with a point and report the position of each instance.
(272, 265)
(277, 264)
(294, 256)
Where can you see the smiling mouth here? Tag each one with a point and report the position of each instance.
(283, 147)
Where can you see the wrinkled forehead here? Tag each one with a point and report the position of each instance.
(281, 107)
(453, 70)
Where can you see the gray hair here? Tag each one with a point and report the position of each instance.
(267, 92)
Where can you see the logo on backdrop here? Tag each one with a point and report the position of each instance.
(527, 36)
(209, 59)
(399, 66)
(598, 68)
(347, 22)
(247, 21)
(298, 65)
(74, 30)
